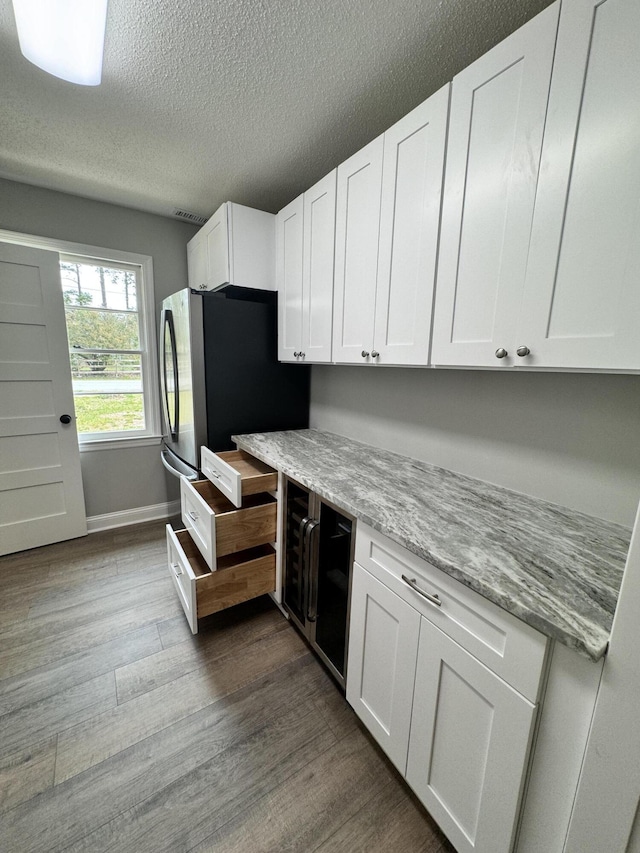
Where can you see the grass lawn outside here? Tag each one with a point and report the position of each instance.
(109, 412)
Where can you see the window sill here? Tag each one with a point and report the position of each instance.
(120, 443)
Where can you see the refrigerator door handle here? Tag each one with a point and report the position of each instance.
(313, 563)
(170, 395)
(171, 464)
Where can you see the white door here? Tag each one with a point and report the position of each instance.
(409, 224)
(41, 496)
(319, 245)
(582, 295)
(383, 644)
(469, 744)
(289, 280)
(357, 229)
(498, 107)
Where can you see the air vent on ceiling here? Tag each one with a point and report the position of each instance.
(189, 217)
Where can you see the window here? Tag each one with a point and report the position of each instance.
(110, 329)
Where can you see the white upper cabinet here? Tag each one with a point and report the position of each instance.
(305, 240)
(498, 107)
(236, 246)
(412, 176)
(317, 269)
(357, 229)
(581, 306)
(289, 230)
(388, 214)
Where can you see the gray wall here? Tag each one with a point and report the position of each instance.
(565, 437)
(116, 479)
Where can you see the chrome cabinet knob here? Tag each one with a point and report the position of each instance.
(364, 353)
(501, 352)
(522, 351)
(374, 353)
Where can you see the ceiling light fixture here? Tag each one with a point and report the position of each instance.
(63, 37)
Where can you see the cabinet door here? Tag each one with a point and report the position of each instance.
(197, 262)
(383, 644)
(582, 298)
(216, 235)
(319, 244)
(289, 279)
(357, 229)
(409, 223)
(469, 743)
(498, 107)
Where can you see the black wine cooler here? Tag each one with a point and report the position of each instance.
(317, 581)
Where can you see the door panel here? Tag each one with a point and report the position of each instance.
(329, 583)
(289, 278)
(357, 230)
(217, 241)
(468, 746)
(582, 299)
(41, 496)
(409, 226)
(383, 644)
(498, 108)
(319, 245)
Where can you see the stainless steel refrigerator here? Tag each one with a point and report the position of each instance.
(220, 376)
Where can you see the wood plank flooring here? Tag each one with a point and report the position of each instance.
(121, 731)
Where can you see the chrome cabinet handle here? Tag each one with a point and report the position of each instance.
(501, 352)
(296, 354)
(212, 473)
(432, 598)
(522, 351)
(177, 569)
(193, 515)
(301, 354)
(374, 353)
(364, 354)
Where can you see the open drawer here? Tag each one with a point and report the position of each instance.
(241, 576)
(237, 473)
(217, 527)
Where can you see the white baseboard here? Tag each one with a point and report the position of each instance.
(140, 514)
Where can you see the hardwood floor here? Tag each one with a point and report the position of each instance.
(121, 731)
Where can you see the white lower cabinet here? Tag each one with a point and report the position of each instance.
(457, 731)
(469, 741)
(383, 645)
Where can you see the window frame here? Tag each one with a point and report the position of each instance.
(152, 434)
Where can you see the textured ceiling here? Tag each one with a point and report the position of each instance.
(248, 100)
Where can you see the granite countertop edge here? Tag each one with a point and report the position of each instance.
(591, 643)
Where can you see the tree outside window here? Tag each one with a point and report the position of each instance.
(103, 327)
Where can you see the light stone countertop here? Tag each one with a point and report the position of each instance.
(556, 569)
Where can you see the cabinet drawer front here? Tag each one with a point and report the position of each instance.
(183, 577)
(218, 528)
(509, 647)
(237, 473)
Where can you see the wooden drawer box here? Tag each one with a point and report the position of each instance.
(218, 527)
(240, 576)
(237, 474)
